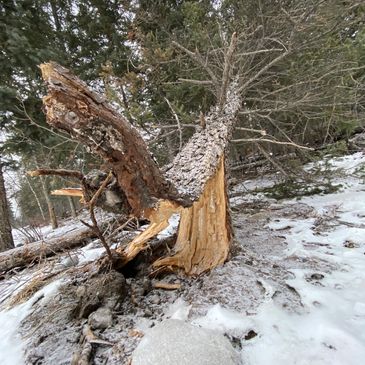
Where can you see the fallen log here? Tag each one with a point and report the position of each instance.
(36, 251)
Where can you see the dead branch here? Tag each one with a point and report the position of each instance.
(196, 56)
(197, 82)
(95, 225)
(177, 123)
(166, 286)
(69, 192)
(245, 140)
(227, 69)
(87, 339)
(271, 160)
(57, 172)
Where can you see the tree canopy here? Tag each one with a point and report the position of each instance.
(299, 65)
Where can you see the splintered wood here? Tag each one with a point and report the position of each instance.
(193, 185)
(159, 220)
(204, 234)
(69, 192)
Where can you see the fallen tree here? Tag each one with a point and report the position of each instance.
(193, 185)
(36, 251)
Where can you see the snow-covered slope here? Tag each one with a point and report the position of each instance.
(292, 293)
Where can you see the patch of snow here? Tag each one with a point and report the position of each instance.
(11, 343)
(171, 229)
(90, 252)
(332, 331)
(178, 310)
(224, 320)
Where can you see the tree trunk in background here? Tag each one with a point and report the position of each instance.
(193, 185)
(72, 207)
(51, 210)
(36, 198)
(6, 238)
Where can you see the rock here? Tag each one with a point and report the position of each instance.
(147, 286)
(176, 342)
(101, 319)
(155, 299)
(105, 290)
(316, 276)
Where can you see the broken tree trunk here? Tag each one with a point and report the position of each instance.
(193, 185)
(72, 107)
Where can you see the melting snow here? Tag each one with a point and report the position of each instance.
(11, 343)
(331, 330)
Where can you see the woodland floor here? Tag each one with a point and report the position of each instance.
(293, 291)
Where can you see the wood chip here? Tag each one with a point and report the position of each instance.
(166, 286)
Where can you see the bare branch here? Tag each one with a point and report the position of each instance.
(94, 225)
(264, 69)
(250, 140)
(57, 172)
(196, 56)
(197, 82)
(260, 131)
(270, 159)
(227, 69)
(242, 54)
(177, 122)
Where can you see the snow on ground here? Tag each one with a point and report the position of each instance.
(292, 293)
(331, 330)
(11, 343)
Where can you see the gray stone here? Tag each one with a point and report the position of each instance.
(175, 342)
(155, 299)
(101, 319)
(104, 290)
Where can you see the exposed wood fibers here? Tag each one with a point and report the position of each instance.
(204, 234)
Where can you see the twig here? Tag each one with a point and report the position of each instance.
(197, 82)
(272, 141)
(261, 131)
(177, 122)
(227, 69)
(264, 69)
(88, 338)
(120, 228)
(166, 286)
(31, 120)
(94, 225)
(198, 58)
(269, 158)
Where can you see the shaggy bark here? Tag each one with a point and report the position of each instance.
(72, 107)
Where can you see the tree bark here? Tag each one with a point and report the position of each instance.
(6, 238)
(193, 185)
(51, 210)
(72, 107)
